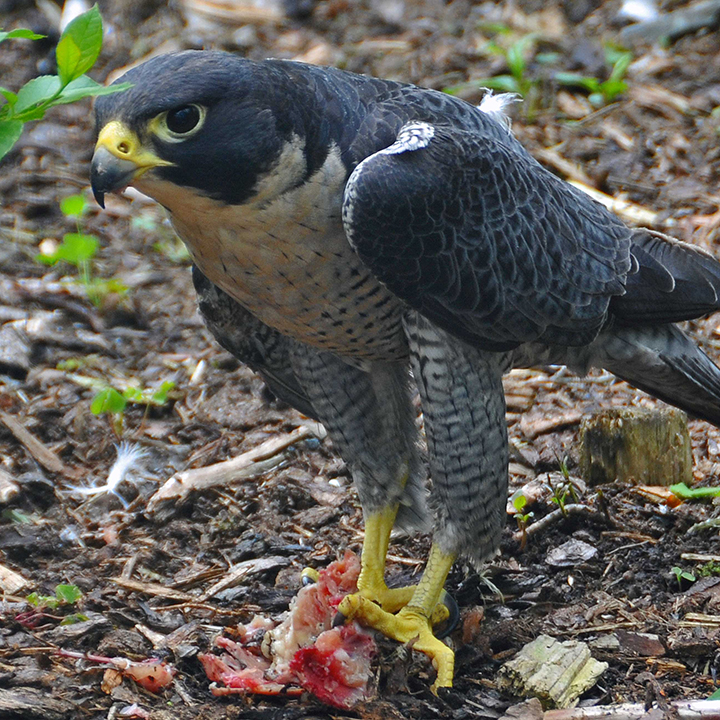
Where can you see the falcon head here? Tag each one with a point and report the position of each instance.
(202, 121)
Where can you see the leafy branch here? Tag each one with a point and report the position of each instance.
(76, 53)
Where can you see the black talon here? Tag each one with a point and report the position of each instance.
(443, 629)
(339, 619)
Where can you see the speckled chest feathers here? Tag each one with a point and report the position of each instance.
(283, 254)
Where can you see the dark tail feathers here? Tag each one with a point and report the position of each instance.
(666, 363)
(674, 281)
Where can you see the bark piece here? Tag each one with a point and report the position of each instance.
(650, 447)
(642, 644)
(557, 673)
(30, 703)
(570, 553)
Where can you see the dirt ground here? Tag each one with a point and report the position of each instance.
(145, 571)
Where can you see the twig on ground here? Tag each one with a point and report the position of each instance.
(247, 466)
(684, 710)
(554, 516)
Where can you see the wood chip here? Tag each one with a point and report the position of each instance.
(233, 12)
(555, 672)
(660, 99)
(154, 589)
(9, 489)
(11, 582)
(644, 644)
(699, 557)
(242, 570)
(699, 620)
(43, 454)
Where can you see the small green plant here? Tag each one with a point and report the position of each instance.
(601, 92)
(79, 249)
(564, 490)
(681, 575)
(64, 595)
(113, 402)
(76, 53)
(517, 56)
(522, 518)
(708, 569)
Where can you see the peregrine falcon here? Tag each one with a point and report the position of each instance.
(354, 237)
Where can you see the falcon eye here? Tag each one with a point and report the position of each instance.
(180, 123)
(183, 120)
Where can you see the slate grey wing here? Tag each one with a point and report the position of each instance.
(483, 241)
(258, 346)
(674, 281)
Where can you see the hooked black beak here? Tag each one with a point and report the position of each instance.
(119, 159)
(108, 172)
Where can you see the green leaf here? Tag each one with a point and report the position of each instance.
(78, 248)
(10, 132)
(42, 601)
(610, 89)
(518, 500)
(14, 515)
(682, 491)
(34, 599)
(133, 394)
(74, 618)
(73, 206)
(715, 695)
(79, 45)
(620, 66)
(20, 33)
(68, 594)
(84, 87)
(160, 396)
(9, 95)
(39, 90)
(590, 84)
(108, 400)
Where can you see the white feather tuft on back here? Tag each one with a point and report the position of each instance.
(495, 105)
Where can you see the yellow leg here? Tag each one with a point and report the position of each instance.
(371, 583)
(413, 623)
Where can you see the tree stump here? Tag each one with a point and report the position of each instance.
(644, 447)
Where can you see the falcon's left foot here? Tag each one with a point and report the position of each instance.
(414, 622)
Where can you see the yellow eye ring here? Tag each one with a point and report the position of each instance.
(179, 123)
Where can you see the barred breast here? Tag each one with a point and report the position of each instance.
(284, 256)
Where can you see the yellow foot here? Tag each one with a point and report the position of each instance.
(392, 600)
(410, 625)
